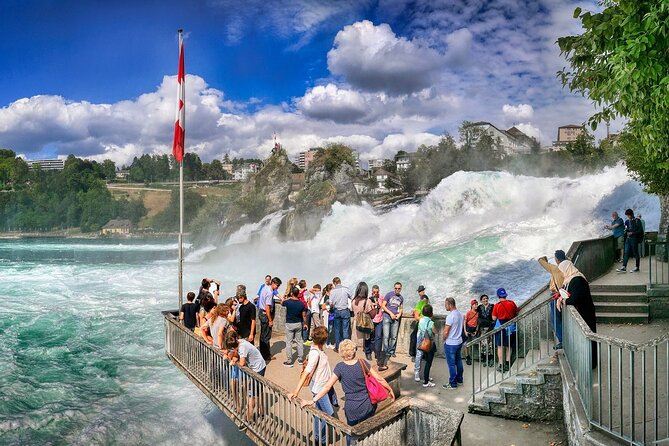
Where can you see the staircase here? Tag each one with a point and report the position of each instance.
(620, 304)
(534, 394)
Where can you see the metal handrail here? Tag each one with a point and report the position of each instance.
(620, 383)
(206, 367)
(660, 265)
(531, 342)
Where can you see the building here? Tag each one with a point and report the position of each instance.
(243, 172)
(403, 160)
(306, 158)
(117, 227)
(122, 174)
(227, 167)
(511, 141)
(356, 156)
(376, 163)
(46, 164)
(382, 176)
(568, 133)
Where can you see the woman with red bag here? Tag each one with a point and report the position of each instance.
(354, 375)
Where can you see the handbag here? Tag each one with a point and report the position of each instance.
(376, 391)
(363, 322)
(426, 343)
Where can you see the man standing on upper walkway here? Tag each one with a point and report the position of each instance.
(617, 227)
(340, 298)
(633, 233)
(266, 316)
(392, 307)
(453, 328)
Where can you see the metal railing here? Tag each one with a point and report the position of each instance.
(531, 343)
(273, 418)
(658, 263)
(623, 385)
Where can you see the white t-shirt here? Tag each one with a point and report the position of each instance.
(318, 360)
(254, 359)
(455, 320)
(221, 323)
(315, 302)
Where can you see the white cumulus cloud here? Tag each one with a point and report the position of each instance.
(520, 111)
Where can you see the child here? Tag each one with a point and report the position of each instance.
(249, 356)
(471, 328)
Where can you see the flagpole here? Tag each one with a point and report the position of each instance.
(181, 112)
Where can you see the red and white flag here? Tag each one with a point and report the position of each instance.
(180, 124)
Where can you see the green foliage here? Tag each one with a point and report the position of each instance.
(332, 157)
(77, 196)
(168, 220)
(621, 63)
(254, 205)
(317, 193)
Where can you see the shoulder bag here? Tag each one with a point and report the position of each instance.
(376, 391)
(363, 322)
(426, 343)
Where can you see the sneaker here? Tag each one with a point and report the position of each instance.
(449, 387)
(635, 270)
(500, 368)
(288, 364)
(383, 368)
(416, 377)
(308, 342)
(507, 366)
(622, 269)
(429, 384)
(300, 361)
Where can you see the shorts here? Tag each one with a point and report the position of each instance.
(470, 333)
(620, 242)
(254, 386)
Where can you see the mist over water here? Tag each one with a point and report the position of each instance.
(81, 333)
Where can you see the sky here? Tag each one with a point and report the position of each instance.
(98, 79)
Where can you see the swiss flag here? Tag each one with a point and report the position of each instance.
(180, 123)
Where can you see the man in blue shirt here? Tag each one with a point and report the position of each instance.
(266, 316)
(340, 298)
(617, 227)
(392, 307)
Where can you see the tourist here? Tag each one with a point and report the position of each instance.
(453, 327)
(392, 306)
(426, 329)
(249, 356)
(318, 368)
(268, 281)
(351, 375)
(295, 321)
(218, 325)
(423, 299)
(266, 316)
(206, 304)
(471, 327)
(340, 299)
(361, 304)
(305, 297)
(557, 279)
(579, 296)
(633, 233)
(315, 301)
(617, 228)
(246, 322)
(504, 311)
(642, 246)
(204, 330)
(375, 342)
(188, 313)
(486, 324)
(328, 316)
(292, 282)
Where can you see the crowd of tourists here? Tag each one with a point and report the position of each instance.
(629, 236)
(332, 316)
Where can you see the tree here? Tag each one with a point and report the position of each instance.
(621, 63)
(332, 157)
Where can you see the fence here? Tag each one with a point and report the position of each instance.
(658, 263)
(530, 343)
(623, 385)
(270, 417)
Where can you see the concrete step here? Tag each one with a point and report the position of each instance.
(597, 287)
(602, 296)
(622, 318)
(622, 307)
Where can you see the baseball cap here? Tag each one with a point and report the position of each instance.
(421, 288)
(501, 292)
(473, 301)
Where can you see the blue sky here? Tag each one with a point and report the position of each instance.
(97, 78)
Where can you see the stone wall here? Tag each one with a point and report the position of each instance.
(593, 257)
(658, 301)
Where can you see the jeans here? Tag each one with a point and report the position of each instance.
(325, 406)
(419, 354)
(293, 331)
(331, 336)
(413, 338)
(453, 355)
(429, 357)
(390, 329)
(342, 325)
(631, 249)
(306, 331)
(265, 335)
(556, 321)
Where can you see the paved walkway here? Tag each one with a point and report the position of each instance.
(613, 277)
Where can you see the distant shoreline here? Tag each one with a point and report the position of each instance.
(15, 235)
